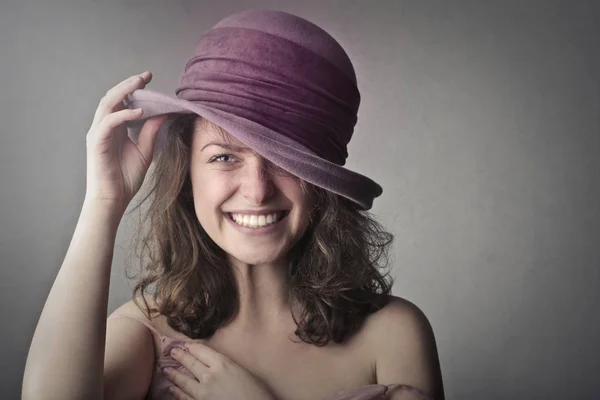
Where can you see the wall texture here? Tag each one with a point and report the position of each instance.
(480, 119)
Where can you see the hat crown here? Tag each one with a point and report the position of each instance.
(295, 29)
(279, 84)
(279, 71)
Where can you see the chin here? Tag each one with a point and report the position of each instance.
(254, 258)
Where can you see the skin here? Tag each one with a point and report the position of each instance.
(397, 338)
(237, 183)
(396, 344)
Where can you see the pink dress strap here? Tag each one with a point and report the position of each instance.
(153, 329)
(159, 387)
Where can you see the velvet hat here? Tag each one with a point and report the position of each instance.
(281, 85)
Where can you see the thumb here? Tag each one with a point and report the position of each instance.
(147, 137)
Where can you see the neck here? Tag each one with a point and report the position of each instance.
(263, 293)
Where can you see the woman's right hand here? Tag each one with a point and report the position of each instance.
(116, 166)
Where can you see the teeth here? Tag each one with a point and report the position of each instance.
(254, 221)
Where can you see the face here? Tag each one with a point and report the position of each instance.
(231, 182)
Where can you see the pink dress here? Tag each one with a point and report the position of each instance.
(159, 387)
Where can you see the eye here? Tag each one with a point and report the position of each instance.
(218, 156)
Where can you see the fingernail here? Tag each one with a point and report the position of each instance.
(175, 351)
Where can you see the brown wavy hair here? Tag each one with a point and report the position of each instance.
(336, 270)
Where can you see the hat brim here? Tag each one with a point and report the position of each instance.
(275, 147)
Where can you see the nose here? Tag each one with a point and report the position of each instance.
(257, 182)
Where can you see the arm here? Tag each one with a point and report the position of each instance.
(129, 356)
(406, 351)
(66, 356)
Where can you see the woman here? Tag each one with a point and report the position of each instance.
(262, 257)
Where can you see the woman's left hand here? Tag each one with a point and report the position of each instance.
(217, 377)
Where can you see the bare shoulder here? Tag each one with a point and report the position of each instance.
(399, 323)
(131, 308)
(404, 347)
(399, 313)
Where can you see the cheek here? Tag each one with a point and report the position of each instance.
(209, 195)
(210, 185)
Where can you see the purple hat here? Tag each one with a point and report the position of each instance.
(279, 84)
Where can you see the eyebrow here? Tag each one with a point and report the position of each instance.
(227, 146)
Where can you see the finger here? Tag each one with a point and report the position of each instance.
(113, 120)
(205, 353)
(144, 78)
(193, 364)
(186, 384)
(179, 394)
(146, 141)
(113, 99)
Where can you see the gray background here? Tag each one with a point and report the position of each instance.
(480, 120)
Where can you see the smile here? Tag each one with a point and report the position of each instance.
(253, 227)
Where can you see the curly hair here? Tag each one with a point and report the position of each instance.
(335, 270)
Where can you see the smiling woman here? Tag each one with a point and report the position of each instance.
(321, 233)
(258, 256)
(323, 265)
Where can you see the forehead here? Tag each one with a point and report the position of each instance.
(206, 131)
